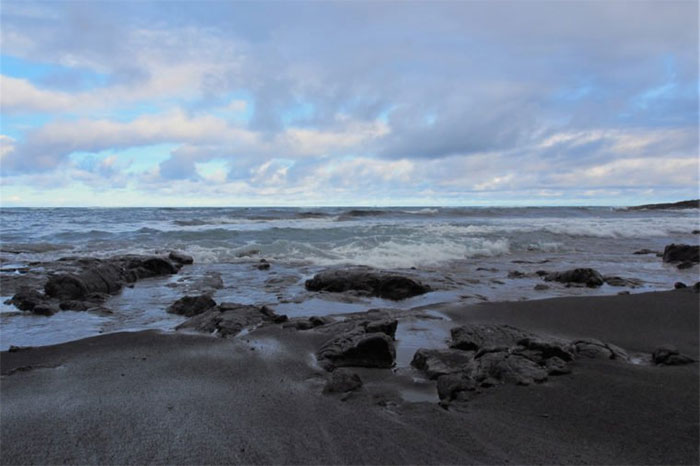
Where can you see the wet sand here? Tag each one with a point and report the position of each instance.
(148, 397)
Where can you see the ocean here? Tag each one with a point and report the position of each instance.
(467, 254)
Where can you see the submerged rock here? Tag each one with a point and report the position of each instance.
(371, 282)
(619, 281)
(189, 306)
(683, 253)
(26, 299)
(585, 276)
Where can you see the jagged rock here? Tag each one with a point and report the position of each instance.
(549, 348)
(26, 299)
(374, 283)
(228, 319)
(181, 257)
(271, 315)
(358, 348)
(619, 281)
(307, 324)
(596, 349)
(683, 253)
(472, 337)
(589, 277)
(509, 368)
(437, 362)
(385, 326)
(342, 381)
(556, 366)
(189, 306)
(669, 355)
(452, 386)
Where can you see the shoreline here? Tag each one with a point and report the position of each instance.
(258, 398)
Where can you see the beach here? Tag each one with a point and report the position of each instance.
(567, 336)
(257, 399)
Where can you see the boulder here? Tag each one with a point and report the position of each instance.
(585, 276)
(438, 362)
(180, 257)
(373, 283)
(596, 349)
(358, 348)
(189, 306)
(385, 326)
(507, 367)
(679, 286)
(669, 355)
(26, 299)
(683, 253)
(453, 386)
(342, 381)
(473, 337)
(614, 280)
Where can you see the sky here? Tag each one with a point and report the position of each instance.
(224, 103)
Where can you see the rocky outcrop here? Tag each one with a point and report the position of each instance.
(368, 282)
(484, 355)
(229, 319)
(85, 283)
(582, 276)
(684, 254)
(189, 306)
(668, 355)
(180, 258)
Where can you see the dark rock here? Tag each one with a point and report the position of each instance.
(74, 305)
(44, 309)
(272, 316)
(263, 266)
(342, 381)
(682, 253)
(684, 265)
(228, 319)
(473, 337)
(358, 348)
(516, 274)
(453, 386)
(307, 324)
(668, 355)
(26, 299)
(679, 285)
(374, 283)
(644, 251)
(695, 232)
(589, 277)
(181, 257)
(556, 366)
(385, 326)
(548, 348)
(541, 287)
(437, 362)
(189, 306)
(623, 293)
(619, 281)
(510, 368)
(596, 349)
(696, 287)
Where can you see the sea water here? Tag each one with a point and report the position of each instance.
(466, 253)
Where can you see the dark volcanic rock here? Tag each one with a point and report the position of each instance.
(685, 265)
(229, 319)
(358, 348)
(189, 306)
(306, 323)
(619, 281)
(342, 381)
(374, 283)
(453, 386)
(473, 337)
(682, 253)
(385, 326)
(668, 355)
(679, 285)
(437, 362)
(596, 349)
(181, 257)
(589, 277)
(26, 299)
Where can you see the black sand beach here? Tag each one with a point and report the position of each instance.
(148, 397)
